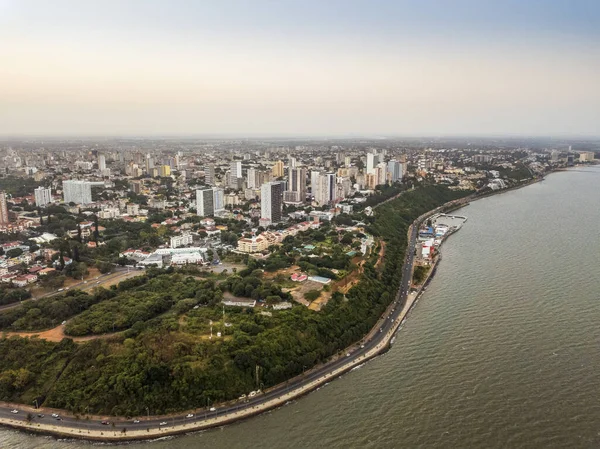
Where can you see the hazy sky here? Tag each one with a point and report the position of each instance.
(306, 67)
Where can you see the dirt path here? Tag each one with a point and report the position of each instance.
(57, 334)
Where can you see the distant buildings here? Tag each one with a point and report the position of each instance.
(42, 196)
(271, 202)
(3, 209)
(78, 192)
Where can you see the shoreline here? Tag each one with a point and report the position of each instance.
(335, 367)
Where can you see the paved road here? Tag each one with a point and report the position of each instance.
(84, 285)
(385, 326)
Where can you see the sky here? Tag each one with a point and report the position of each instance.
(376, 68)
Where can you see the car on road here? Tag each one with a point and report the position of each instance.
(54, 415)
(243, 396)
(362, 346)
(64, 322)
(40, 415)
(347, 354)
(14, 411)
(189, 415)
(212, 409)
(136, 421)
(164, 423)
(61, 289)
(58, 418)
(105, 423)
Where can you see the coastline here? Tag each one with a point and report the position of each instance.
(281, 399)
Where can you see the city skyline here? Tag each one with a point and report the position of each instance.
(299, 69)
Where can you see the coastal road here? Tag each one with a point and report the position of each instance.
(374, 343)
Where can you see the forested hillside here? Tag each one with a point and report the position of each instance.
(164, 357)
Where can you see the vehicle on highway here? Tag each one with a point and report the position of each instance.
(14, 411)
(362, 346)
(58, 418)
(105, 423)
(212, 409)
(164, 423)
(347, 354)
(54, 415)
(243, 396)
(136, 421)
(252, 394)
(40, 415)
(189, 415)
(61, 289)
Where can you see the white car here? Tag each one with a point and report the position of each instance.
(14, 411)
(164, 423)
(136, 421)
(54, 415)
(212, 409)
(189, 415)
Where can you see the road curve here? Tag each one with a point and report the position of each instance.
(375, 343)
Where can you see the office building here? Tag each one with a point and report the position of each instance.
(78, 192)
(3, 209)
(42, 196)
(271, 201)
(205, 202)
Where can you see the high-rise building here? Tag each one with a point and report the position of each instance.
(3, 209)
(42, 196)
(586, 156)
(292, 162)
(297, 184)
(394, 168)
(78, 192)
(347, 161)
(370, 163)
(381, 173)
(209, 174)
(251, 178)
(101, 162)
(278, 169)
(326, 190)
(149, 163)
(235, 172)
(218, 199)
(165, 171)
(205, 204)
(271, 200)
(314, 181)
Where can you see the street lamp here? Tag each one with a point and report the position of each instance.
(148, 413)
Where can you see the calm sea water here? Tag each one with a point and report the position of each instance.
(502, 351)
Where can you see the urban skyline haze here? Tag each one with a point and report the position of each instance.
(299, 68)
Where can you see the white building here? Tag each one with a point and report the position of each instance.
(181, 240)
(297, 184)
(235, 172)
(78, 192)
(326, 189)
(43, 196)
(370, 162)
(101, 162)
